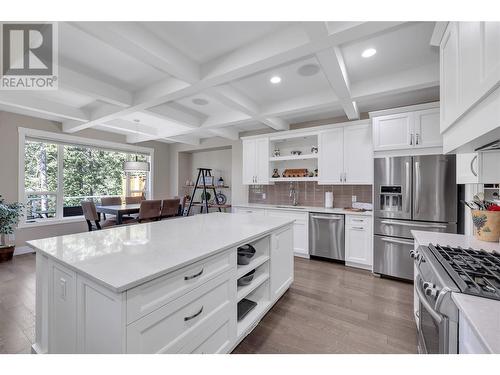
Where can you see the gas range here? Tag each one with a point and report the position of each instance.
(441, 271)
(475, 272)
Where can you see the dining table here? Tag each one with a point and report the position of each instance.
(119, 210)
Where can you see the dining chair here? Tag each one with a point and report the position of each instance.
(110, 201)
(134, 200)
(149, 210)
(92, 217)
(170, 207)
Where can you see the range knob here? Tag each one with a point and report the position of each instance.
(427, 284)
(412, 253)
(432, 291)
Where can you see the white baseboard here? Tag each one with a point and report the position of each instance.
(19, 250)
(301, 255)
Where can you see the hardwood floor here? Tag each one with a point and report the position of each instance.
(329, 309)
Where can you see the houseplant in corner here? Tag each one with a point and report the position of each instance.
(9, 217)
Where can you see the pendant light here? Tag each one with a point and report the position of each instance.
(136, 166)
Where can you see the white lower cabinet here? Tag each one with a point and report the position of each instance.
(190, 310)
(300, 230)
(358, 241)
(468, 342)
(281, 263)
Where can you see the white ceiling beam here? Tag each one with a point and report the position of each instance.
(316, 101)
(409, 80)
(138, 42)
(333, 65)
(281, 47)
(437, 33)
(83, 84)
(187, 139)
(175, 115)
(227, 119)
(236, 100)
(228, 133)
(22, 100)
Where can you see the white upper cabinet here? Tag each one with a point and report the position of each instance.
(413, 127)
(392, 132)
(331, 156)
(449, 76)
(469, 79)
(256, 161)
(358, 154)
(426, 128)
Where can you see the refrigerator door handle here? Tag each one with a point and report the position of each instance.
(418, 225)
(418, 187)
(408, 187)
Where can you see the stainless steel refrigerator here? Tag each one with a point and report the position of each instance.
(410, 192)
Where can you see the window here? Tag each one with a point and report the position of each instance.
(59, 174)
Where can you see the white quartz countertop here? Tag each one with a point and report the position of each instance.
(483, 314)
(123, 257)
(303, 209)
(454, 240)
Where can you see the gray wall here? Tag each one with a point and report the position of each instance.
(9, 140)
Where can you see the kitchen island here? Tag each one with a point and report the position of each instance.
(161, 287)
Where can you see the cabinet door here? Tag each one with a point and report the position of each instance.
(393, 132)
(489, 170)
(281, 262)
(427, 132)
(449, 77)
(358, 243)
(249, 162)
(467, 168)
(331, 156)
(470, 63)
(262, 161)
(300, 230)
(358, 154)
(490, 55)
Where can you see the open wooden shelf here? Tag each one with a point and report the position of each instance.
(244, 324)
(294, 157)
(256, 262)
(245, 290)
(292, 179)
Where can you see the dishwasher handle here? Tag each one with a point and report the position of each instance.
(326, 217)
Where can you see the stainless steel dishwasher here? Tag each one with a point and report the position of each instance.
(326, 236)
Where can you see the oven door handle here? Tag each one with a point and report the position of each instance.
(421, 296)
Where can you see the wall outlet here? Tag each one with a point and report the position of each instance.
(263, 195)
(354, 199)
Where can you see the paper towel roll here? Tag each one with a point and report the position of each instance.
(328, 199)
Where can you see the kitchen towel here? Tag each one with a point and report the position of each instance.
(328, 199)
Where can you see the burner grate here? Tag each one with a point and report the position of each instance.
(475, 272)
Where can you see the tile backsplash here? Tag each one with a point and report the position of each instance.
(310, 194)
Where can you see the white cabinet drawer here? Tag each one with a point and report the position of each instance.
(171, 327)
(357, 220)
(293, 215)
(152, 295)
(210, 341)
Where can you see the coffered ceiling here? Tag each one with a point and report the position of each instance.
(183, 81)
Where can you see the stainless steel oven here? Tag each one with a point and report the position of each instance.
(437, 314)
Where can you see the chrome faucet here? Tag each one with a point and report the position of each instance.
(293, 193)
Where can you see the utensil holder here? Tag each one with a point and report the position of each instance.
(486, 225)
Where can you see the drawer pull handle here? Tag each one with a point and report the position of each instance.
(358, 228)
(193, 276)
(188, 318)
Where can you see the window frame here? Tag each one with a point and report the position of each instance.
(62, 139)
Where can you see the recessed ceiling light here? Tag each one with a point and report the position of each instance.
(200, 101)
(369, 52)
(275, 80)
(137, 120)
(308, 70)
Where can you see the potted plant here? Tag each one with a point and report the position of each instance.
(9, 217)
